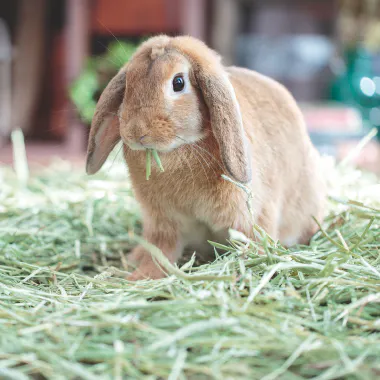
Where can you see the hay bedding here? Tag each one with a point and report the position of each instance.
(65, 313)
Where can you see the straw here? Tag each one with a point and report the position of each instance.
(157, 159)
(67, 311)
(149, 153)
(19, 157)
(148, 163)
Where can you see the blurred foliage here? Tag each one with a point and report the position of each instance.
(98, 71)
(357, 81)
(359, 23)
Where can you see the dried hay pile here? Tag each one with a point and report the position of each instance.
(66, 312)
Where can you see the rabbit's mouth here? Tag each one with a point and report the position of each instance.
(136, 146)
(160, 147)
(163, 145)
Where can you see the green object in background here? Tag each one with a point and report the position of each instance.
(96, 75)
(358, 86)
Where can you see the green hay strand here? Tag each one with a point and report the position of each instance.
(149, 153)
(67, 312)
(148, 163)
(157, 159)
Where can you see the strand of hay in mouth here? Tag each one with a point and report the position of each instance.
(148, 163)
(149, 154)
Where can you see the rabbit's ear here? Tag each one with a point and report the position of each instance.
(226, 120)
(105, 126)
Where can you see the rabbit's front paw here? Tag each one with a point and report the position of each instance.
(148, 269)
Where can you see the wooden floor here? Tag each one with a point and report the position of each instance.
(39, 153)
(42, 154)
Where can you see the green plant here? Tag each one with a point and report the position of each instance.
(97, 73)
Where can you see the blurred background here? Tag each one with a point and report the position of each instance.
(56, 56)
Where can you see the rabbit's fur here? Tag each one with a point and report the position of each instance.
(229, 121)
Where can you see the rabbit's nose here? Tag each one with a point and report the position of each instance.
(141, 139)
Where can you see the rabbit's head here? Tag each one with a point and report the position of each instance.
(174, 91)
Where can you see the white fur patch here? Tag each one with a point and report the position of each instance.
(157, 51)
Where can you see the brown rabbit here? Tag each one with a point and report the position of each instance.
(206, 120)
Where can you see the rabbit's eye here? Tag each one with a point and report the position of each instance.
(178, 83)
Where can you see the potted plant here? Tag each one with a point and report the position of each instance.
(98, 71)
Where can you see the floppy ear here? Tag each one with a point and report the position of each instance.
(105, 126)
(226, 121)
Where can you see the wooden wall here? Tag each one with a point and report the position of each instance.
(135, 17)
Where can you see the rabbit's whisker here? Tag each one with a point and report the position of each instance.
(188, 165)
(196, 154)
(119, 63)
(116, 156)
(196, 147)
(110, 32)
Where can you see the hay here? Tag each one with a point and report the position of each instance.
(149, 154)
(67, 313)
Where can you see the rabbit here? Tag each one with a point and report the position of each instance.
(205, 120)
